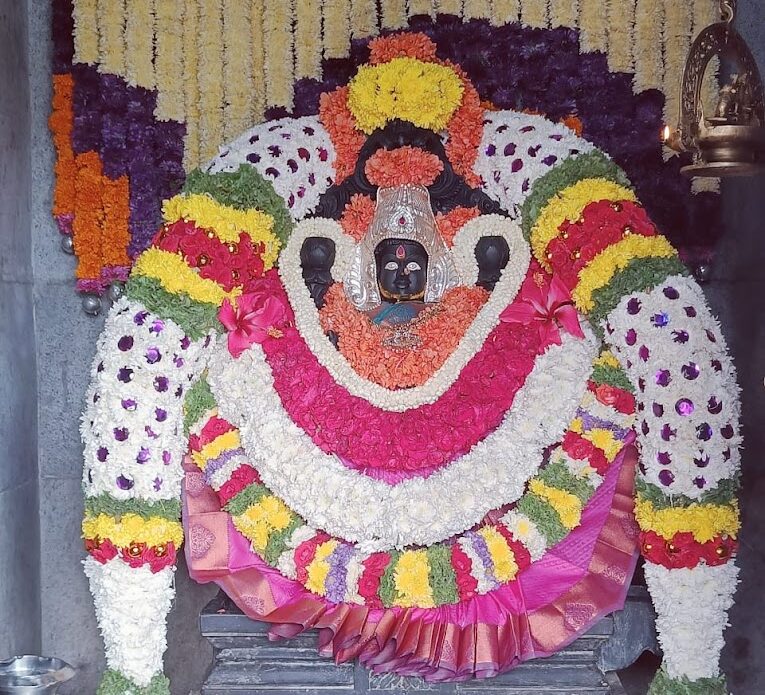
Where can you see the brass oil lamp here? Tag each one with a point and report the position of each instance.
(731, 142)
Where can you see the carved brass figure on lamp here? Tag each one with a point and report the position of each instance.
(731, 142)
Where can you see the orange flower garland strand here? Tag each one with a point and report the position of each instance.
(61, 122)
(449, 223)
(387, 168)
(89, 215)
(362, 343)
(357, 215)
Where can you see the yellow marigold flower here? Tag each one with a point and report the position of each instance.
(599, 272)
(318, 569)
(577, 425)
(227, 222)
(605, 441)
(505, 567)
(411, 577)
(255, 530)
(607, 359)
(176, 276)
(568, 506)
(133, 528)
(704, 521)
(276, 513)
(225, 442)
(425, 94)
(569, 204)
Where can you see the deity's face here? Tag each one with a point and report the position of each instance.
(402, 269)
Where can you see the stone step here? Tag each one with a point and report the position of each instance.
(247, 663)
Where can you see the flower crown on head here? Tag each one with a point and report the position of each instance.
(405, 80)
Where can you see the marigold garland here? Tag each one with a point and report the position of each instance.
(704, 521)
(175, 276)
(168, 68)
(139, 44)
(336, 27)
(341, 126)
(362, 342)
(226, 222)
(617, 256)
(375, 95)
(307, 39)
(568, 205)
(278, 41)
(357, 215)
(88, 215)
(111, 43)
(132, 528)
(449, 223)
(388, 168)
(61, 122)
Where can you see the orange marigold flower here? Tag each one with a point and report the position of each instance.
(357, 215)
(386, 168)
(341, 126)
(451, 222)
(366, 345)
(403, 45)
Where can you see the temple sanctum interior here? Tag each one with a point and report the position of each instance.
(382, 346)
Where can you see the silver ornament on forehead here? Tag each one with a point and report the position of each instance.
(402, 212)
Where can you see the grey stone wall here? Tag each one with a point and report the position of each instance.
(64, 342)
(19, 528)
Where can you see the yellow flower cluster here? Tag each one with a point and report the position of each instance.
(319, 567)
(225, 221)
(262, 519)
(85, 16)
(132, 528)
(412, 580)
(602, 438)
(704, 521)
(568, 506)
(606, 359)
(425, 94)
(599, 272)
(176, 276)
(225, 442)
(569, 204)
(505, 567)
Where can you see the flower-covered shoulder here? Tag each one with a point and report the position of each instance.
(220, 235)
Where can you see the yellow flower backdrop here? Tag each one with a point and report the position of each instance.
(190, 50)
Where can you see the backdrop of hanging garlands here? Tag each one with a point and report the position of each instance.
(314, 474)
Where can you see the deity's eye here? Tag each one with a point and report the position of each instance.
(391, 265)
(412, 266)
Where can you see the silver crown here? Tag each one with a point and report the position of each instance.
(402, 212)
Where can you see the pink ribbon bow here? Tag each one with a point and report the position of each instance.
(548, 303)
(256, 316)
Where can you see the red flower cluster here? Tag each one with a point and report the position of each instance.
(229, 264)
(601, 224)
(683, 551)
(613, 396)
(242, 477)
(462, 564)
(157, 557)
(577, 447)
(305, 553)
(369, 582)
